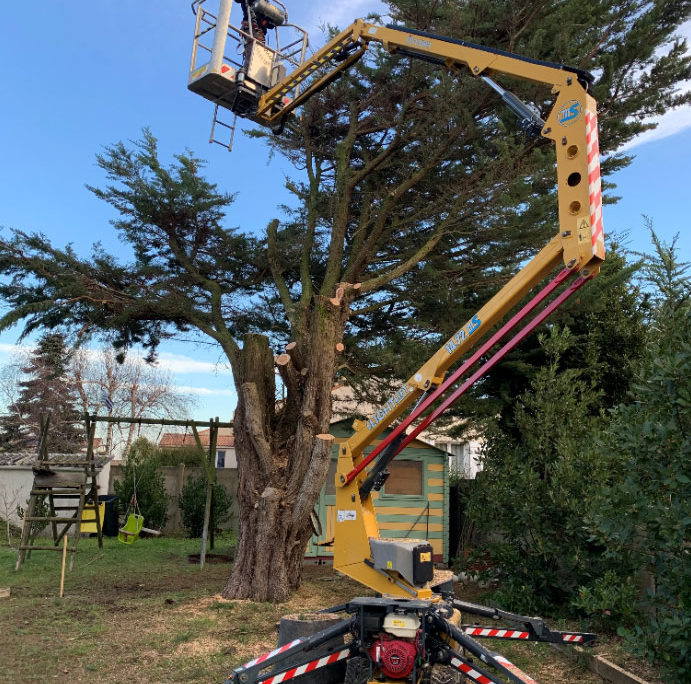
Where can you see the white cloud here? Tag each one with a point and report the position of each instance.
(671, 123)
(180, 364)
(14, 349)
(206, 392)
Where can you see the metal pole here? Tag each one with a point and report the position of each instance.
(220, 35)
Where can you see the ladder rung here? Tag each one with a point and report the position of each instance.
(45, 548)
(61, 489)
(56, 518)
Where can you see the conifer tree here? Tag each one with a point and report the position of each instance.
(47, 388)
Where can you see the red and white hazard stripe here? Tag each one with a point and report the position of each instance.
(469, 671)
(266, 656)
(498, 633)
(594, 184)
(572, 637)
(308, 667)
(517, 671)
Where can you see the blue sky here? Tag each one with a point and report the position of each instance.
(80, 75)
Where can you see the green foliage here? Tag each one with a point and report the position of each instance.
(536, 483)
(644, 517)
(606, 325)
(173, 456)
(611, 602)
(193, 502)
(143, 479)
(40, 511)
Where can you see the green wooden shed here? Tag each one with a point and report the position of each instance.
(414, 502)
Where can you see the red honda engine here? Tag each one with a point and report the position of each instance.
(395, 657)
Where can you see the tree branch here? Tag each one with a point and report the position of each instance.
(277, 270)
(314, 478)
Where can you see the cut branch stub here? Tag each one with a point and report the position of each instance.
(294, 352)
(283, 360)
(289, 375)
(336, 301)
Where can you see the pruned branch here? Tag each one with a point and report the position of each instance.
(289, 374)
(253, 412)
(293, 350)
(314, 478)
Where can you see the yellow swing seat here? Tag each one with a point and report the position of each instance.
(129, 533)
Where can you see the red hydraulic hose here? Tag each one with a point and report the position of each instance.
(517, 318)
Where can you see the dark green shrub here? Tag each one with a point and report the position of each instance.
(40, 511)
(173, 456)
(142, 473)
(537, 481)
(644, 516)
(610, 602)
(193, 501)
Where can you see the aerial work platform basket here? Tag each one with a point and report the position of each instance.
(236, 60)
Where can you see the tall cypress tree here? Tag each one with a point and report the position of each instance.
(48, 388)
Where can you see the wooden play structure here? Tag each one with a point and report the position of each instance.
(64, 489)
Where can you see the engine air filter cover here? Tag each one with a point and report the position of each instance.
(402, 624)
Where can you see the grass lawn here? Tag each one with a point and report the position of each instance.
(142, 613)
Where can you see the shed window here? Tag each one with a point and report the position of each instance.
(405, 478)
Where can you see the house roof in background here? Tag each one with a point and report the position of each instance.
(226, 438)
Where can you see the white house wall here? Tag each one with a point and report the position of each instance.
(16, 483)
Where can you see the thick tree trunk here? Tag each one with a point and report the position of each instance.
(283, 456)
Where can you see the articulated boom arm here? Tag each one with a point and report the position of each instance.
(579, 246)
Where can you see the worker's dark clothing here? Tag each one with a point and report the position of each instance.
(260, 23)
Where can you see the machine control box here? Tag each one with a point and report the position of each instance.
(411, 558)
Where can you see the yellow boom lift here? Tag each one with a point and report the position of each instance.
(414, 631)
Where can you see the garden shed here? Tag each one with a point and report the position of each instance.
(414, 502)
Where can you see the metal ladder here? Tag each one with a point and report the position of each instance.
(231, 127)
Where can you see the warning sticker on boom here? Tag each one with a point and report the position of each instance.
(342, 516)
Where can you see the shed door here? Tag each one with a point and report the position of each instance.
(326, 510)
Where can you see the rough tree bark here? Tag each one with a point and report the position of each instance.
(283, 453)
